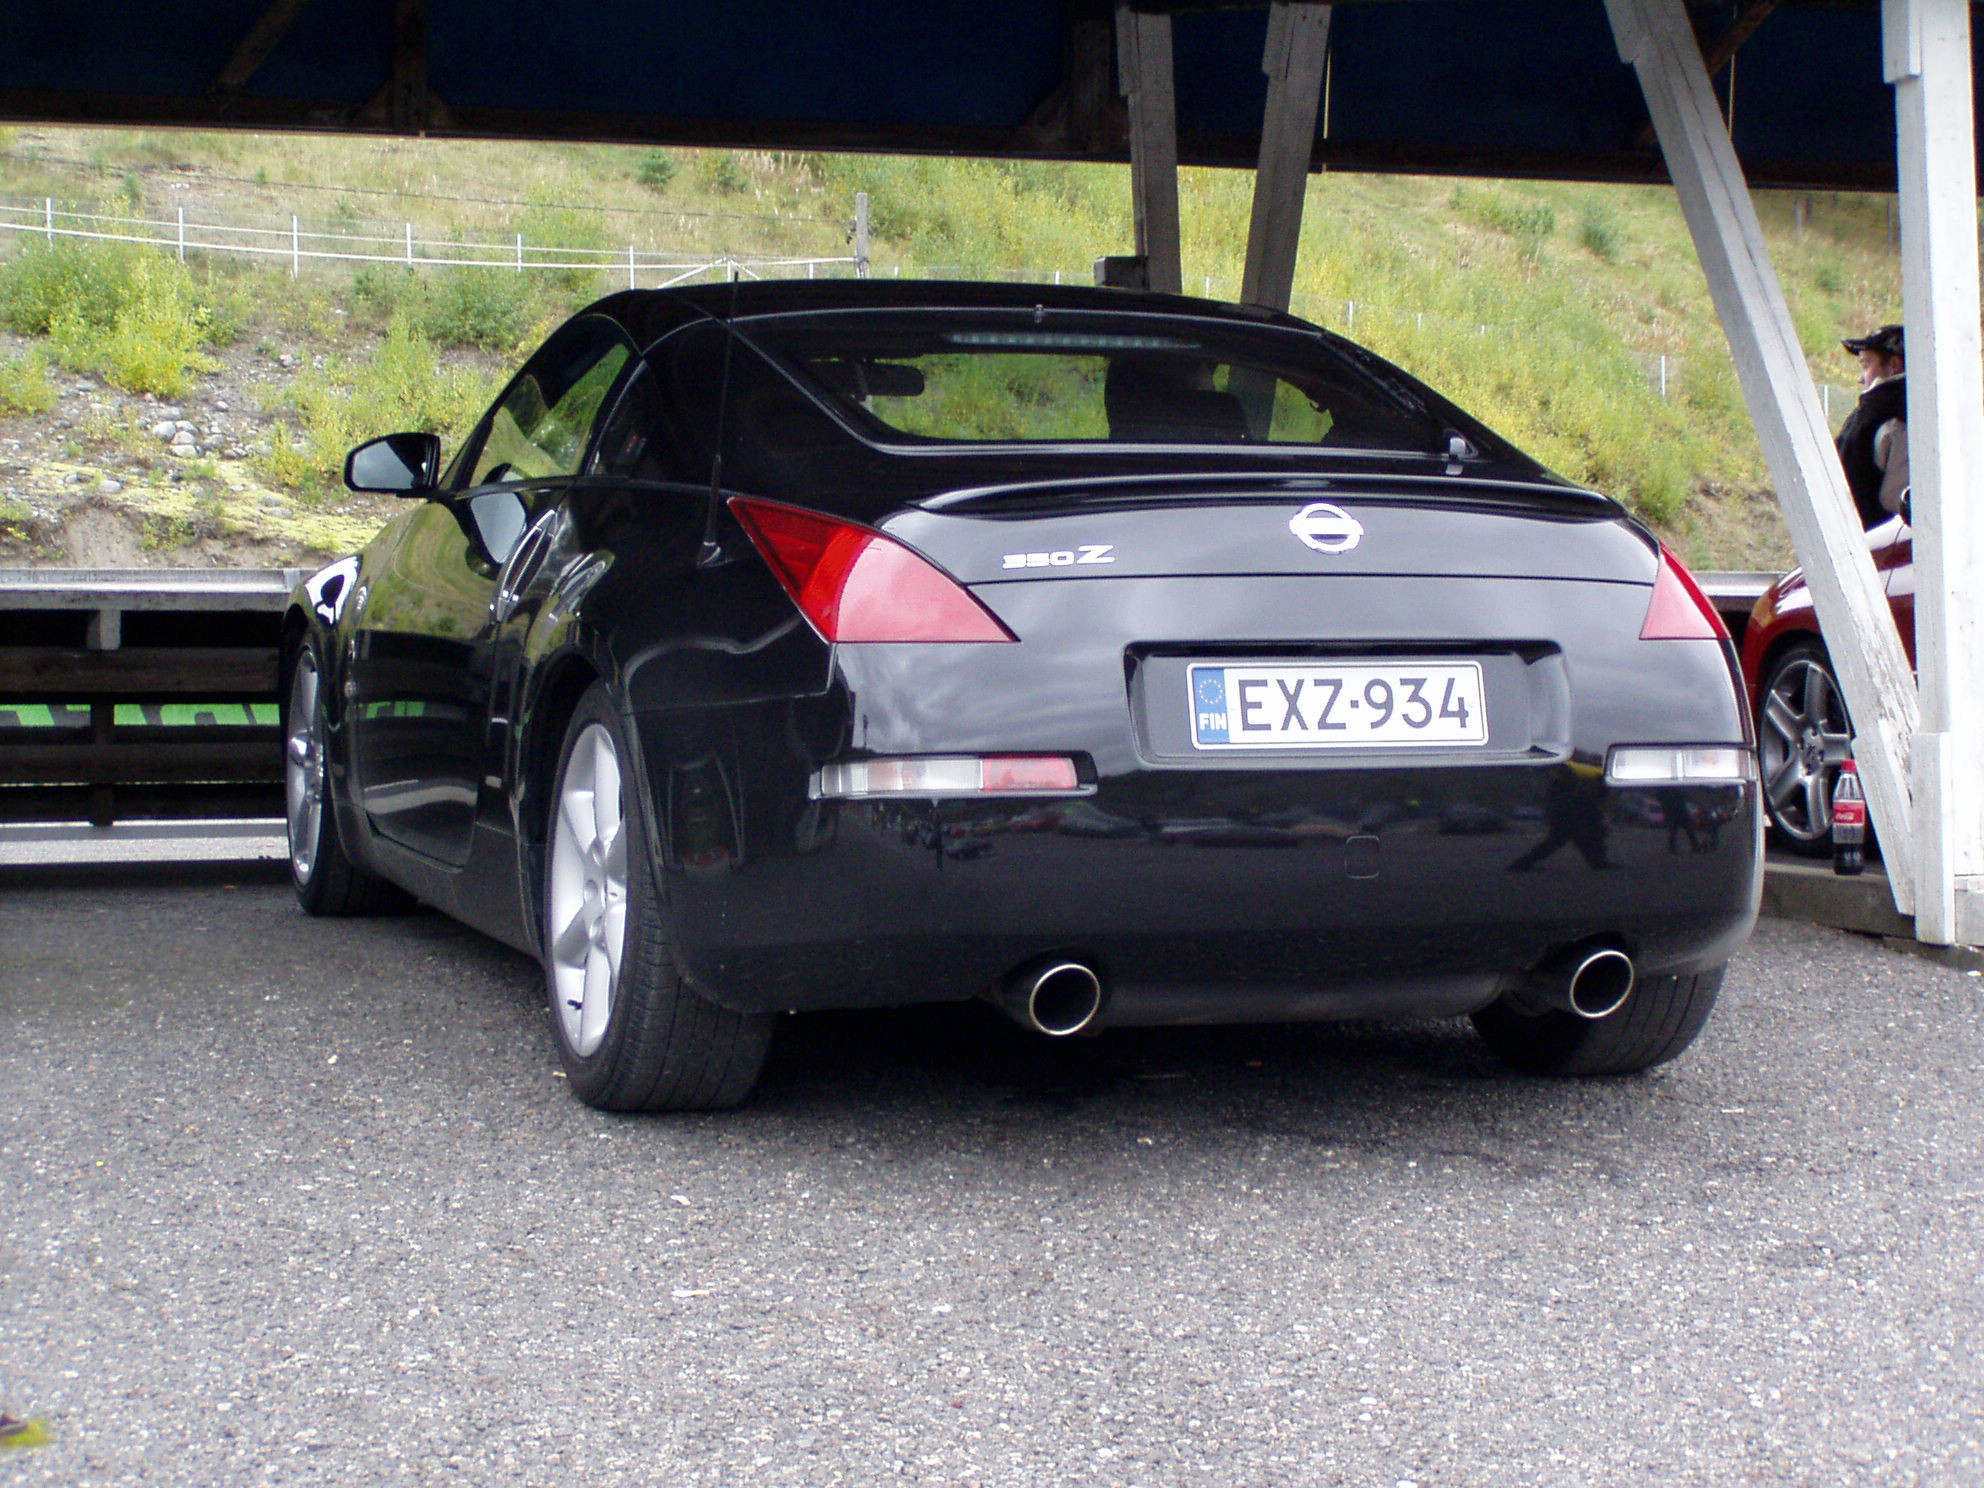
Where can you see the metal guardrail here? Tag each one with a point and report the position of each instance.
(146, 693)
(152, 693)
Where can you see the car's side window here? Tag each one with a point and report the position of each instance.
(661, 427)
(539, 429)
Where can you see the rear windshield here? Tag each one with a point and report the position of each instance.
(1033, 376)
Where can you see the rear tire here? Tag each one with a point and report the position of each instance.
(632, 1034)
(326, 880)
(1656, 1022)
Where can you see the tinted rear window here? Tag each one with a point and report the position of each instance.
(1031, 377)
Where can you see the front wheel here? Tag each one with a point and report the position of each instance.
(326, 880)
(633, 1035)
(1659, 1018)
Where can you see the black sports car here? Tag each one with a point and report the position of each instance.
(1124, 658)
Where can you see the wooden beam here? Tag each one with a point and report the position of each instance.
(1297, 46)
(1722, 51)
(262, 39)
(1655, 37)
(49, 672)
(1928, 61)
(1143, 45)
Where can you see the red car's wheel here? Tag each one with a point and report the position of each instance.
(1803, 734)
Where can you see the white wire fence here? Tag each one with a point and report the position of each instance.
(298, 241)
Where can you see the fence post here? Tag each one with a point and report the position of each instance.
(409, 245)
(1825, 399)
(861, 235)
(295, 246)
(182, 234)
(1663, 374)
(630, 266)
(520, 253)
(48, 217)
(1350, 320)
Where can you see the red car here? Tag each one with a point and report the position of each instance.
(1802, 728)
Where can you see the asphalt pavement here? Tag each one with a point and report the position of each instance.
(292, 1201)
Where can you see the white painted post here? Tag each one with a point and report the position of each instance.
(48, 216)
(1663, 374)
(409, 245)
(1350, 316)
(1928, 60)
(295, 246)
(630, 266)
(520, 253)
(861, 255)
(1297, 46)
(1655, 36)
(1143, 45)
(182, 234)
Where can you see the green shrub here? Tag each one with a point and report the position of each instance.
(1529, 223)
(153, 341)
(401, 387)
(384, 290)
(489, 308)
(723, 173)
(25, 386)
(656, 170)
(1599, 231)
(46, 280)
(1829, 276)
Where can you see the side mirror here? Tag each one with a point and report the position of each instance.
(397, 465)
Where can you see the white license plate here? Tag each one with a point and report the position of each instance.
(1337, 705)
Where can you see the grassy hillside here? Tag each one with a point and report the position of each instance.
(1544, 308)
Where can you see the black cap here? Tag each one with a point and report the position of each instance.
(1887, 341)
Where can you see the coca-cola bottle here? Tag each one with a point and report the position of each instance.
(1849, 821)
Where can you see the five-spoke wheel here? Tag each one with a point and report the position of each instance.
(588, 890)
(633, 1034)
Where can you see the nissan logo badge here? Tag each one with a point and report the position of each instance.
(1326, 528)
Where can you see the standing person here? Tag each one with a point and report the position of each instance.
(1873, 442)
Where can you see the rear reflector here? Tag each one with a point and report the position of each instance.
(1679, 610)
(854, 584)
(954, 775)
(1689, 764)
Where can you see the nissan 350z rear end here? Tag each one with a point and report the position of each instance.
(1168, 669)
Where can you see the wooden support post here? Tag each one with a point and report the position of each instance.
(1657, 39)
(1143, 43)
(1298, 46)
(1928, 61)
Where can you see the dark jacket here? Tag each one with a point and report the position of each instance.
(1881, 402)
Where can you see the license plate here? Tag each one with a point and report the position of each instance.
(1337, 705)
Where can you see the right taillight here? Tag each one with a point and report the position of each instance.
(854, 584)
(1679, 611)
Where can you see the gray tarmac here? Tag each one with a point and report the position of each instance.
(289, 1201)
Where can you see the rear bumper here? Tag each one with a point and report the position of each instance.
(1363, 894)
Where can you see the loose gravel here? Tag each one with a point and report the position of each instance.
(286, 1201)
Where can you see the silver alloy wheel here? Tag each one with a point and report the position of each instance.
(303, 768)
(1804, 738)
(588, 890)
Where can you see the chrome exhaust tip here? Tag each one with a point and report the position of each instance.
(1587, 982)
(1057, 998)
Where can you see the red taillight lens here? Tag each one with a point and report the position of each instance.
(854, 584)
(1679, 610)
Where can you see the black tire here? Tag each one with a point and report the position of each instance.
(1656, 1022)
(326, 880)
(658, 1045)
(1802, 735)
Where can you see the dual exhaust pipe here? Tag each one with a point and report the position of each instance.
(1061, 998)
(1057, 997)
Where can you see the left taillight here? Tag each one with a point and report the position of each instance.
(1679, 611)
(852, 583)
